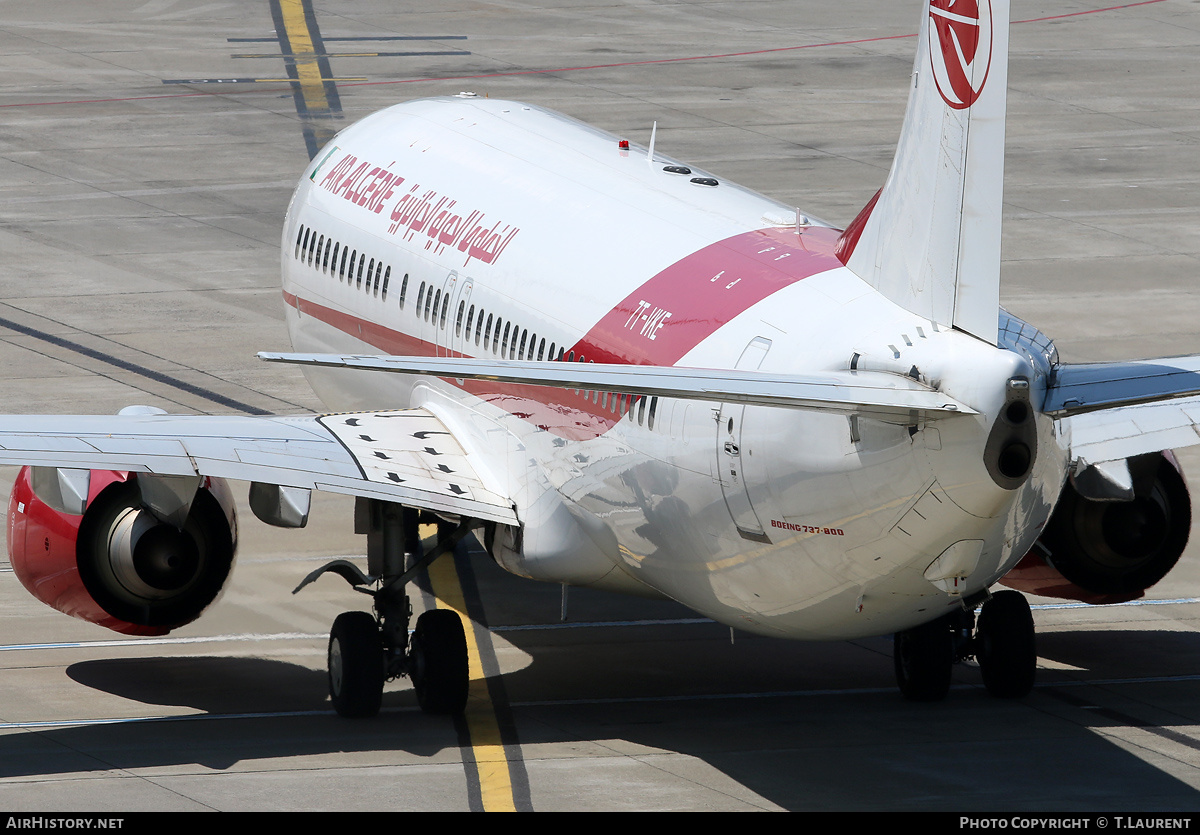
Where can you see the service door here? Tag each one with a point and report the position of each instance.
(729, 451)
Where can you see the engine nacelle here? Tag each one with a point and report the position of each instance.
(1103, 551)
(117, 564)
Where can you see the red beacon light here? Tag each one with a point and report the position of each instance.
(623, 144)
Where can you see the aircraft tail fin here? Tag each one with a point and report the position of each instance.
(930, 239)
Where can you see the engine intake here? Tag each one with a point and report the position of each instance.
(118, 564)
(1107, 551)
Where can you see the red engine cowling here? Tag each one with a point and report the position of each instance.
(1111, 551)
(117, 565)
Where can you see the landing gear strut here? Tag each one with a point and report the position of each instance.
(1001, 640)
(366, 650)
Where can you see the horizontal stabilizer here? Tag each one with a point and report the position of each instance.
(880, 395)
(1091, 387)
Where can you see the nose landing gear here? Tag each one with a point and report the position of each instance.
(1001, 640)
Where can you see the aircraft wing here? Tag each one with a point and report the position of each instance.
(407, 456)
(1121, 409)
(869, 393)
(1124, 432)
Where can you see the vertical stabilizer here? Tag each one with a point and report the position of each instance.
(930, 241)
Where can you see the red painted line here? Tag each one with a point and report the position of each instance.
(277, 90)
(1088, 11)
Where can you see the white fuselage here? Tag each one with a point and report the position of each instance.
(471, 227)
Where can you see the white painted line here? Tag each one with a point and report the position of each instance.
(141, 642)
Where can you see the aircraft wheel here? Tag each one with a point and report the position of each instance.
(355, 665)
(1004, 645)
(923, 656)
(438, 662)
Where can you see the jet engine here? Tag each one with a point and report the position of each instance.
(1101, 549)
(89, 544)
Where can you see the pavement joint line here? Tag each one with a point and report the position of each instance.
(532, 627)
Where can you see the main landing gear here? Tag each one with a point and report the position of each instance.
(1001, 640)
(366, 650)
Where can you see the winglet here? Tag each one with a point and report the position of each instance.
(930, 240)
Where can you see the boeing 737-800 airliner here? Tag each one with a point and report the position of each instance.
(626, 373)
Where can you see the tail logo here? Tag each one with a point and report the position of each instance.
(960, 48)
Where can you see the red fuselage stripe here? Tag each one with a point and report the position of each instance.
(657, 324)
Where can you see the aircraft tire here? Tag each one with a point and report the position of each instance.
(355, 665)
(438, 662)
(1005, 645)
(923, 657)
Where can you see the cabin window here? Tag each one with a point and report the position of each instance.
(387, 276)
(360, 269)
(371, 274)
(325, 255)
(458, 320)
(420, 295)
(653, 409)
(342, 268)
(470, 318)
(524, 338)
(433, 302)
(445, 310)
(333, 260)
(542, 351)
(299, 238)
(487, 334)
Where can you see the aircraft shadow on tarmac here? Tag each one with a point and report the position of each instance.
(861, 748)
